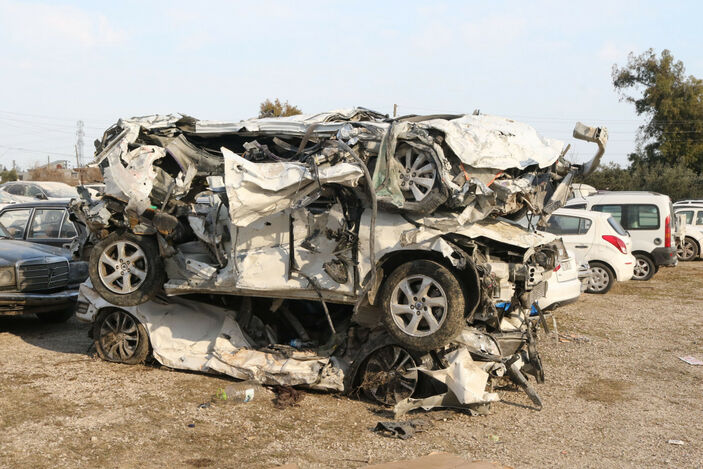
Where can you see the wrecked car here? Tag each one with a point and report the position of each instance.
(410, 220)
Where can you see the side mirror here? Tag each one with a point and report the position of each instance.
(42, 197)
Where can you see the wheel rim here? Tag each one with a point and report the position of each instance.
(418, 175)
(418, 306)
(600, 278)
(390, 375)
(641, 268)
(686, 251)
(119, 336)
(122, 267)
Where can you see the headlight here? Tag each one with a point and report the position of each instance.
(78, 272)
(7, 276)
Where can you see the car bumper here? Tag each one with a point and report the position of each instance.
(665, 256)
(626, 269)
(560, 293)
(18, 303)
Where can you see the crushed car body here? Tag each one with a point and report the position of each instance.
(408, 225)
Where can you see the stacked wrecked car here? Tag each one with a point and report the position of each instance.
(345, 250)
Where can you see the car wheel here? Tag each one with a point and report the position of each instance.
(423, 305)
(644, 267)
(602, 278)
(388, 375)
(56, 317)
(120, 338)
(126, 269)
(688, 250)
(420, 180)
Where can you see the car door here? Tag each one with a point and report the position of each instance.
(16, 220)
(263, 251)
(51, 226)
(699, 220)
(575, 232)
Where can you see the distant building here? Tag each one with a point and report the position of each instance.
(63, 171)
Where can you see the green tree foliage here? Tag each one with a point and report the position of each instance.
(678, 182)
(277, 109)
(673, 104)
(8, 175)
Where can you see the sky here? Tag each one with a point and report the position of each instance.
(546, 63)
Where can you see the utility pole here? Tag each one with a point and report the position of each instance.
(395, 110)
(79, 143)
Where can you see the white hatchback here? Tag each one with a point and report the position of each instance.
(598, 239)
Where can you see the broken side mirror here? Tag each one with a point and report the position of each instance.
(597, 135)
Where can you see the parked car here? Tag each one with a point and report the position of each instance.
(649, 219)
(29, 191)
(690, 246)
(45, 222)
(598, 239)
(40, 279)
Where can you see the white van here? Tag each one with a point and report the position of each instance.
(648, 217)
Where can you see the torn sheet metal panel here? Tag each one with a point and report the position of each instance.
(466, 383)
(486, 141)
(189, 335)
(259, 189)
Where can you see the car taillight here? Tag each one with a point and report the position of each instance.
(667, 232)
(556, 269)
(617, 242)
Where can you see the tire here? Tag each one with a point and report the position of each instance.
(56, 317)
(602, 278)
(688, 251)
(420, 181)
(435, 324)
(644, 267)
(388, 375)
(126, 269)
(120, 338)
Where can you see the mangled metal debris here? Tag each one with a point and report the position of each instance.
(406, 225)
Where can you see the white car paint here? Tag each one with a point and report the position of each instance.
(564, 286)
(589, 240)
(647, 226)
(693, 214)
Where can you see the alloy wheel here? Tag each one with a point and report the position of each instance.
(122, 267)
(418, 306)
(418, 174)
(119, 336)
(390, 375)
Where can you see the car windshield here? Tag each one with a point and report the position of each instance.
(60, 191)
(4, 233)
(617, 226)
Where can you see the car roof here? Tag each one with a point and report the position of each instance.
(580, 212)
(39, 204)
(678, 208)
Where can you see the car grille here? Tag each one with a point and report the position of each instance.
(42, 274)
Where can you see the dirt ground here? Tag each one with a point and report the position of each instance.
(614, 399)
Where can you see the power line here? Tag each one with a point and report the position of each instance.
(29, 150)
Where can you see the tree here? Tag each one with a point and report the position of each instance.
(673, 104)
(276, 109)
(6, 175)
(678, 181)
